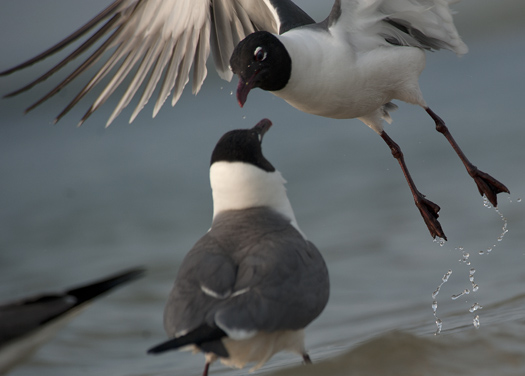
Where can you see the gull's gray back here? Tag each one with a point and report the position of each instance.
(280, 278)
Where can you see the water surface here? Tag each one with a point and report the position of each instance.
(80, 203)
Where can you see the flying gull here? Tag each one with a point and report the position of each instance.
(365, 54)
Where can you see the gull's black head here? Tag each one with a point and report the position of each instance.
(243, 145)
(260, 60)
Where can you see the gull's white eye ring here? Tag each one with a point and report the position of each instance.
(259, 54)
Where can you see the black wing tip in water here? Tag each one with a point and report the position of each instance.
(92, 290)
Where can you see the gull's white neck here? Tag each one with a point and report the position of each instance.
(238, 185)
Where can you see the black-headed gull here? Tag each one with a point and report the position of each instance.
(28, 323)
(253, 282)
(351, 65)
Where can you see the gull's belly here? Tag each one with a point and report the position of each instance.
(331, 80)
(338, 104)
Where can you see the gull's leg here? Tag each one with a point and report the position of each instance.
(206, 367)
(429, 210)
(307, 359)
(487, 185)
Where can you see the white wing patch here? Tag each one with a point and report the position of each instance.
(240, 292)
(215, 294)
(226, 295)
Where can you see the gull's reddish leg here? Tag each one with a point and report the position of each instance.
(429, 210)
(487, 185)
(206, 367)
(307, 359)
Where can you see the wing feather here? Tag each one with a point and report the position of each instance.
(201, 56)
(157, 42)
(419, 23)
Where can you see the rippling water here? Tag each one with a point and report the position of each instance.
(79, 203)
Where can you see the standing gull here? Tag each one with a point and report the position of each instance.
(28, 323)
(249, 287)
(365, 54)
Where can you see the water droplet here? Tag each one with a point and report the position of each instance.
(475, 287)
(471, 278)
(439, 240)
(439, 325)
(481, 252)
(518, 200)
(476, 322)
(244, 118)
(464, 292)
(231, 92)
(444, 279)
(472, 271)
(475, 307)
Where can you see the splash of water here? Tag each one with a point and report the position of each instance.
(465, 259)
(475, 307)
(475, 287)
(464, 292)
(439, 240)
(476, 322)
(439, 323)
(504, 228)
(464, 256)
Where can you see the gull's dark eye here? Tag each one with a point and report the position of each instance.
(259, 54)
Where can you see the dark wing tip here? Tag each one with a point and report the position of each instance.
(92, 290)
(205, 337)
(290, 15)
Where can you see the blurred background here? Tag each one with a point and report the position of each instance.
(80, 203)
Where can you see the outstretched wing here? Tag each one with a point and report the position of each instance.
(420, 23)
(160, 41)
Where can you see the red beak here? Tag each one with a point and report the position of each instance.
(244, 87)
